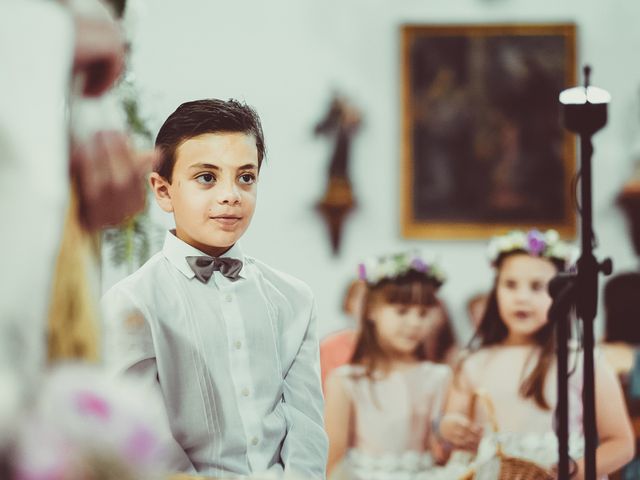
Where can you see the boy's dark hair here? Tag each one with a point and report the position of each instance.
(205, 116)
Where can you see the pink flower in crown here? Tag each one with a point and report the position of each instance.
(536, 242)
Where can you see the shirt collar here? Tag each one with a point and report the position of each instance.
(176, 251)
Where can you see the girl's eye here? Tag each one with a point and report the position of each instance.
(206, 178)
(422, 312)
(402, 310)
(537, 286)
(247, 178)
(510, 284)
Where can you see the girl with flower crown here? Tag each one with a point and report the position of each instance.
(512, 361)
(380, 407)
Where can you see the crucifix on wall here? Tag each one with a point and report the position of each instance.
(340, 124)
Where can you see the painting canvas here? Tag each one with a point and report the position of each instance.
(483, 147)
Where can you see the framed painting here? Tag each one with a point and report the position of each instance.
(483, 147)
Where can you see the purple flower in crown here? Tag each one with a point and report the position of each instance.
(535, 242)
(362, 271)
(419, 265)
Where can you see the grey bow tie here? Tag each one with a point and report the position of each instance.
(204, 266)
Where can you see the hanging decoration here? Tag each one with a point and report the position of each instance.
(340, 123)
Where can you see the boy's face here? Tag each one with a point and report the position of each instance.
(213, 190)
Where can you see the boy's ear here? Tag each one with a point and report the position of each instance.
(160, 187)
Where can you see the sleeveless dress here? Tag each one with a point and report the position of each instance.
(392, 419)
(525, 429)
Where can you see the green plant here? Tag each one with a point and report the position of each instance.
(131, 242)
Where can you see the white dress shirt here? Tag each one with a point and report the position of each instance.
(236, 361)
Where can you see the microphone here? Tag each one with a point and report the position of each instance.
(585, 108)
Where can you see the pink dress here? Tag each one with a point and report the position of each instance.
(525, 430)
(392, 421)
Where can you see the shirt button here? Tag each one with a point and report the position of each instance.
(238, 344)
(228, 298)
(254, 441)
(245, 392)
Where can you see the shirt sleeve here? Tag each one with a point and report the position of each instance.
(305, 447)
(128, 350)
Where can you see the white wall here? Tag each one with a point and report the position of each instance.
(285, 57)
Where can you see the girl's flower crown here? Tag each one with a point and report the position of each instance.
(390, 267)
(533, 242)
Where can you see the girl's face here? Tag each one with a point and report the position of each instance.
(402, 328)
(523, 301)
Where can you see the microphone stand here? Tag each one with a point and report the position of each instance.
(585, 112)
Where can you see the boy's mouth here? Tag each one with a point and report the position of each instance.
(227, 220)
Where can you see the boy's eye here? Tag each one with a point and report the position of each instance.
(247, 178)
(402, 310)
(206, 178)
(510, 284)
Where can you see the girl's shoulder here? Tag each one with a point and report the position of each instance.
(472, 359)
(434, 370)
(342, 380)
(476, 362)
(349, 372)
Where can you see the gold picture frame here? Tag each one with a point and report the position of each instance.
(483, 148)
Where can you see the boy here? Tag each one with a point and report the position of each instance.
(230, 342)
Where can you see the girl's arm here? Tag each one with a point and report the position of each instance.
(616, 447)
(439, 447)
(337, 419)
(456, 426)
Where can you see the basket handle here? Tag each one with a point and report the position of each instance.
(485, 399)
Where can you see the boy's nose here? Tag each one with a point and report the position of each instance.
(229, 194)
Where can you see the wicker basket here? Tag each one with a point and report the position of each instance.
(505, 467)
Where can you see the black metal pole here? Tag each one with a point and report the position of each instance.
(588, 269)
(585, 112)
(563, 289)
(559, 314)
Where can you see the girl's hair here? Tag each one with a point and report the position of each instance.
(492, 331)
(444, 339)
(351, 294)
(411, 288)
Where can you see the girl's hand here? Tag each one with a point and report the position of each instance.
(460, 432)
